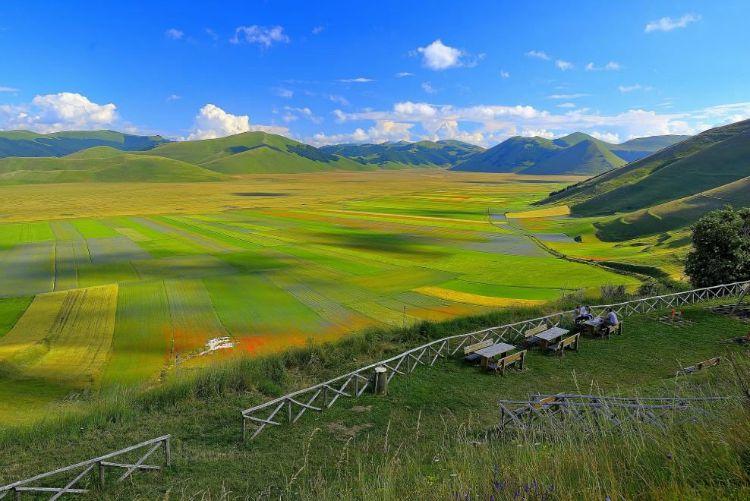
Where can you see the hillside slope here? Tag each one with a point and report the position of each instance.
(709, 160)
(119, 167)
(23, 143)
(585, 157)
(404, 154)
(253, 152)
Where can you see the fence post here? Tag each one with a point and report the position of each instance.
(101, 475)
(381, 380)
(168, 450)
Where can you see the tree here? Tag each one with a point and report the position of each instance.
(721, 248)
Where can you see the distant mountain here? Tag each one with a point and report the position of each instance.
(576, 153)
(22, 143)
(255, 152)
(670, 188)
(404, 154)
(101, 164)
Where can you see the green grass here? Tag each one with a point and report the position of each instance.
(427, 436)
(11, 309)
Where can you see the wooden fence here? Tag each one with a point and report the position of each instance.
(322, 396)
(34, 485)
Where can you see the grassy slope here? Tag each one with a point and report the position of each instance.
(31, 144)
(706, 161)
(426, 436)
(512, 155)
(583, 157)
(253, 152)
(403, 154)
(100, 166)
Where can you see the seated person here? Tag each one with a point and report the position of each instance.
(610, 319)
(582, 313)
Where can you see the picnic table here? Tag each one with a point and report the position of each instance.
(591, 326)
(551, 335)
(492, 351)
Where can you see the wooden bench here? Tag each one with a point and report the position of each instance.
(469, 351)
(699, 366)
(569, 342)
(529, 334)
(508, 361)
(608, 330)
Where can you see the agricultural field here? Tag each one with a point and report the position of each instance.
(104, 286)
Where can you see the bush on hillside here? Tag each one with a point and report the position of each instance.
(721, 248)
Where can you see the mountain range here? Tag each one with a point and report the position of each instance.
(576, 153)
(76, 156)
(668, 189)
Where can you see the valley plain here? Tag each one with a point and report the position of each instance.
(106, 285)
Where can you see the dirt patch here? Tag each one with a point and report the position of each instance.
(740, 313)
(343, 431)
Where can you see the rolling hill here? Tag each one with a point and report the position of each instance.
(576, 153)
(101, 164)
(22, 143)
(403, 154)
(255, 152)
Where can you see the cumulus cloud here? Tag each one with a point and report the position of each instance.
(174, 34)
(291, 114)
(438, 56)
(487, 124)
(55, 112)
(381, 132)
(538, 54)
(669, 24)
(607, 137)
(564, 65)
(265, 36)
(212, 122)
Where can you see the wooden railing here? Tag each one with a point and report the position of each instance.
(35, 485)
(323, 395)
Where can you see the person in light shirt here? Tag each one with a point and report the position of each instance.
(610, 319)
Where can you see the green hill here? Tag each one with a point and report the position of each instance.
(122, 167)
(22, 143)
(253, 152)
(405, 154)
(709, 160)
(576, 153)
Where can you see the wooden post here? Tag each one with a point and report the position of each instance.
(168, 450)
(101, 475)
(381, 380)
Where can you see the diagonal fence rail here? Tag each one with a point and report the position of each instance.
(36, 485)
(291, 407)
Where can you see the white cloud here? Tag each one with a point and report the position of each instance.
(631, 88)
(610, 66)
(318, 30)
(486, 124)
(428, 88)
(335, 98)
(356, 80)
(504, 74)
(564, 65)
(566, 96)
(212, 122)
(438, 56)
(402, 74)
(567, 105)
(174, 34)
(382, 131)
(669, 24)
(173, 97)
(537, 133)
(4, 88)
(55, 112)
(538, 54)
(291, 114)
(282, 92)
(264, 36)
(607, 137)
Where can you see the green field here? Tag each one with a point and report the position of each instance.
(269, 262)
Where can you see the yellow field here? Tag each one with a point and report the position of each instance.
(467, 297)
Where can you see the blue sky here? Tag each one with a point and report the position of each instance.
(375, 71)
